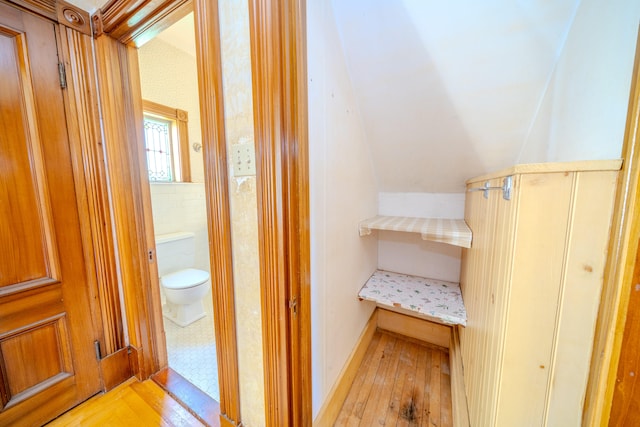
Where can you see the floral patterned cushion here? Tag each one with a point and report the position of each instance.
(429, 298)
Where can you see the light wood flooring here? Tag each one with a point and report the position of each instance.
(401, 382)
(132, 403)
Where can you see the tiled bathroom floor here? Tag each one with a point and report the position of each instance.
(192, 353)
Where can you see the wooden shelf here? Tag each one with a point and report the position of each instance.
(434, 300)
(451, 231)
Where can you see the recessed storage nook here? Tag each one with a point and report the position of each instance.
(521, 323)
(435, 300)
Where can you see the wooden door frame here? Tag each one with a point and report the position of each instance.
(279, 73)
(623, 248)
(278, 51)
(117, 35)
(278, 48)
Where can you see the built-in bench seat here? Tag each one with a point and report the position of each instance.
(430, 299)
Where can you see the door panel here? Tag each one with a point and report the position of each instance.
(18, 190)
(47, 359)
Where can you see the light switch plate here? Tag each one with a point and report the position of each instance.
(244, 160)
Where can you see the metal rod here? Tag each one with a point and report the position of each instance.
(506, 188)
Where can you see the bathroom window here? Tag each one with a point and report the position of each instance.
(166, 143)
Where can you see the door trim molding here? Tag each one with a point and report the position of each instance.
(89, 167)
(144, 310)
(121, 106)
(58, 11)
(137, 21)
(278, 52)
(214, 142)
(622, 251)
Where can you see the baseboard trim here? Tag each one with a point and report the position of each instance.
(414, 327)
(115, 368)
(333, 403)
(459, 406)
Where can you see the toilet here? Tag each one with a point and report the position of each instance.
(182, 285)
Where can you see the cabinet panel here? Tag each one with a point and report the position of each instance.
(531, 283)
(485, 269)
(541, 233)
(580, 295)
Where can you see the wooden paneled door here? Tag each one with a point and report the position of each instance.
(47, 358)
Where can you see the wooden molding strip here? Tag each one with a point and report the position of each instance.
(459, 407)
(333, 403)
(138, 21)
(115, 368)
(59, 11)
(73, 17)
(192, 398)
(117, 70)
(84, 135)
(46, 8)
(278, 51)
(217, 189)
(623, 247)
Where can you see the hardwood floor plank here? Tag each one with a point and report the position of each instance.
(378, 404)
(157, 399)
(81, 415)
(408, 408)
(421, 373)
(140, 410)
(426, 389)
(445, 392)
(395, 372)
(396, 395)
(370, 381)
(129, 404)
(358, 395)
(435, 397)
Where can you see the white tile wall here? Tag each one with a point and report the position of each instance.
(182, 207)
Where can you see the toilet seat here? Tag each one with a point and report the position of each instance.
(184, 279)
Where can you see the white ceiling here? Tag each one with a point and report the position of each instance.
(449, 89)
(89, 5)
(181, 35)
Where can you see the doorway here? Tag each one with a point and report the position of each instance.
(282, 204)
(169, 85)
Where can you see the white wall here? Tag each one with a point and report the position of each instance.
(447, 89)
(406, 252)
(169, 76)
(343, 192)
(182, 207)
(583, 114)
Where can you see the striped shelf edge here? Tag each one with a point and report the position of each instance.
(431, 299)
(451, 231)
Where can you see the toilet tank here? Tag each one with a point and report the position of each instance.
(175, 251)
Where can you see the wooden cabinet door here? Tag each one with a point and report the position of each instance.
(47, 358)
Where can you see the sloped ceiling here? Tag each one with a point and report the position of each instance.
(449, 89)
(181, 35)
